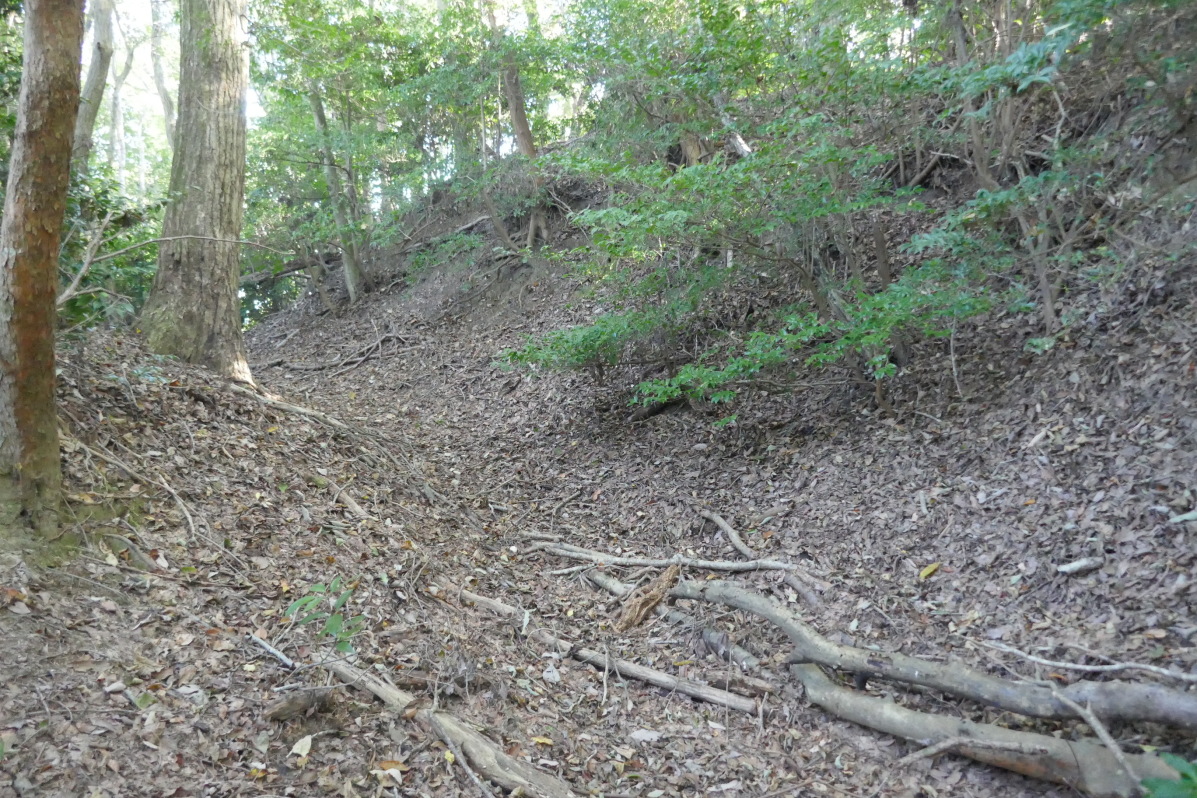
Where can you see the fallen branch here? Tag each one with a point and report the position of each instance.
(1120, 701)
(1086, 766)
(286, 661)
(483, 755)
(1103, 734)
(1111, 668)
(718, 642)
(342, 495)
(600, 559)
(791, 579)
(677, 684)
(954, 743)
(89, 257)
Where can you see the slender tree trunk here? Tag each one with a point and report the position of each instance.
(340, 202)
(93, 89)
(193, 310)
(157, 56)
(980, 145)
(116, 128)
(517, 108)
(34, 203)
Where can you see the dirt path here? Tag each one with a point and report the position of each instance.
(119, 682)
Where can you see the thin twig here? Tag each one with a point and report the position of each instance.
(1117, 666)
(1100, 730)
(147, 242)
(89, 257)
(953, 743)
(794, 580)
(578, 553)
(286, 661)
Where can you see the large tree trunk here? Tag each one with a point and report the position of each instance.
(34, 203)
(193, 310)
(93, 89)
(341, 204)
(157, 57)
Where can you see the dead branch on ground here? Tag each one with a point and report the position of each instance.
(1112, 667)
(484, 756)
(718, 642)
(1111, 701)
(791, 579)
(1087, 766)
(630, 670)
(572, 552)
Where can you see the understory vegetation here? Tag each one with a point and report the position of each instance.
(440, 209)
(761, 188)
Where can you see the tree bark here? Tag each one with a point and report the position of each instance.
(157, 57)
(93, 89)
(342, 208)
(193, 310)
(116, 128)
(517, 108)
(34, 204)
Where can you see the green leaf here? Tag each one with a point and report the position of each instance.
(1187, 770)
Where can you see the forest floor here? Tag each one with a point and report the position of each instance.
(128, 671)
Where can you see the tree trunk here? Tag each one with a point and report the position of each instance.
(116, 128)
(156, 55)
(340, 202)
(34, 204)
(93, 89)
(193, 310)
(517, 108)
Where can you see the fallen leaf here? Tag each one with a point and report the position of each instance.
(302, 746)
(645, 736)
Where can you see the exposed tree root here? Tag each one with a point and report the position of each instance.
(1096, 768)
(715, 640)
(694, 689)
(483, 755)
(1110, 701)
(572, 552)
(1117, 701)
(1086, 766)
